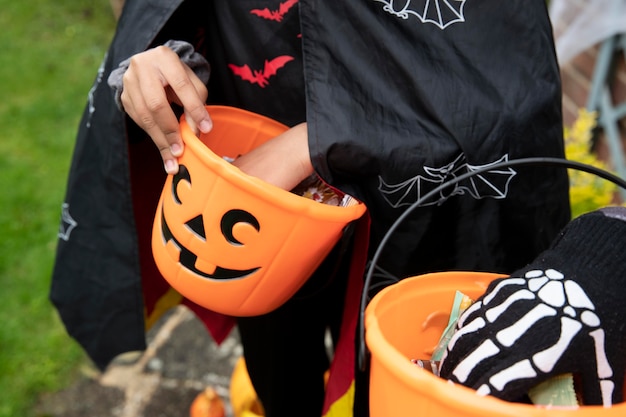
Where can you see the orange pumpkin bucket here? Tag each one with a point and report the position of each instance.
(403, 322)
(228, 241)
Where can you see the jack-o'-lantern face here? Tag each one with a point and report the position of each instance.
(196, 227)
(215, 231)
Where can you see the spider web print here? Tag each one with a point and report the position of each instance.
(441, 13)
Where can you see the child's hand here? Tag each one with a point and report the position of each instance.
(564, 313)
(155, 79)
(283, 161)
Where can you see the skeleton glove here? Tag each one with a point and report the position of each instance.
(563, 313)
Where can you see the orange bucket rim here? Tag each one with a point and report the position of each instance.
(254, 185)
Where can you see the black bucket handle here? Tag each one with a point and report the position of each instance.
(363, 354)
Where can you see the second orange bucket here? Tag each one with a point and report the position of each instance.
(403, 322)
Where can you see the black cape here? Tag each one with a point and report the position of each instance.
(397, 102)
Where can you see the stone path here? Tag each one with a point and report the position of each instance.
(181, 360)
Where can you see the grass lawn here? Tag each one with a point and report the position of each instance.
(50, 53)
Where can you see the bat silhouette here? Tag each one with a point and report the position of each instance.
(491, 184)
(440, 13)
(276, 15)
(261, 77)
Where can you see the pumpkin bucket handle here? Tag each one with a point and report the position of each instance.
(363, 353)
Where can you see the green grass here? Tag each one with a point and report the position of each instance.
(49, 57)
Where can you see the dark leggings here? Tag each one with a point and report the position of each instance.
(285, 350)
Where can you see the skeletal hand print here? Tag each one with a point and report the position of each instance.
(562, 314)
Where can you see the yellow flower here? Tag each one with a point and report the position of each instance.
(588, 192)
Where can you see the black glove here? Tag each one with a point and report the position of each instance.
(563, 313)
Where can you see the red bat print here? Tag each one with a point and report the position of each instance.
(276, 15)
(258, 76)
